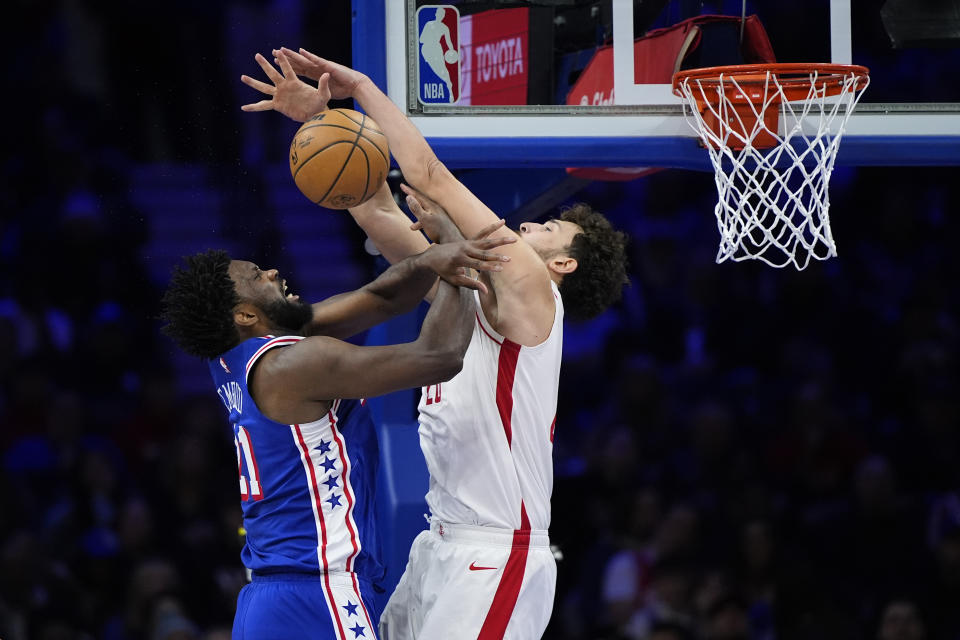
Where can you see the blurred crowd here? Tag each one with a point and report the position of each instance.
(118, 518)
(741, 453)
(752, 453)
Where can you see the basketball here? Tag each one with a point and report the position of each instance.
(451, 56)
(339, 158)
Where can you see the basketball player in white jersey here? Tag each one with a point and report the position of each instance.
(484, 568)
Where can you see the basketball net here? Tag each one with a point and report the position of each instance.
(772, 132)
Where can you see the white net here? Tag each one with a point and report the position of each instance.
(773, 150)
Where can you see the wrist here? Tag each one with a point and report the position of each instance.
(308, 109)
(363, 86)
(421, 261)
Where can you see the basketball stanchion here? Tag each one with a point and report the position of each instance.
(772, 132)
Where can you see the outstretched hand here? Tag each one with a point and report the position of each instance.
(432, 219)
(451, 258)
(343, 80)
(290, 95)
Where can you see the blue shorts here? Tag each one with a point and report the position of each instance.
(334, 606)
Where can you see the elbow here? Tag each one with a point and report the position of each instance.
(429, 172)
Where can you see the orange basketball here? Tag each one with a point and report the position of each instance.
(339, 158)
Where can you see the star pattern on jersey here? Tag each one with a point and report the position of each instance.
(334, 500)
(351, 608)
(328, 464)
(357, 631)
(331, 482)
(324, 447)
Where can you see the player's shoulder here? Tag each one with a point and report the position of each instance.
(269, 352)
(525, 318)
(525, 280)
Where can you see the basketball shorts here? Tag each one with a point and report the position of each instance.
(473, 582)
(281, 606)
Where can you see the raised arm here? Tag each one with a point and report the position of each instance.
(388, 226)
(391, 231)
(398, 289)
(521, 293)
(420, 165)
(521, 306)
(294, 384)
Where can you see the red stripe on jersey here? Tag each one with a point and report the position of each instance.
(347, 491)
(505, 599)
(524, 520)
(553, 427)
(506, 370)
(356, 589)
(305, 453)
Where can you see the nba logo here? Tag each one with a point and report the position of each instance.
(438, 29)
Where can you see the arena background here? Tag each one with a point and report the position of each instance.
(743, 452)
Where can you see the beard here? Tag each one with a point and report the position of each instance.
(290, 315)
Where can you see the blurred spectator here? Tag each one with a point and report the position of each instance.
(669, 631)
(901, 620)
(727, 619)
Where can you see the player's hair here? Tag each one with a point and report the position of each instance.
(601, 273)
(198, 305)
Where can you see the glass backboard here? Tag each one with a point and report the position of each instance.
(507, 96)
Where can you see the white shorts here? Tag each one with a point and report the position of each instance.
(473, 582)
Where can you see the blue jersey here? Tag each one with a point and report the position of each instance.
(307, 490)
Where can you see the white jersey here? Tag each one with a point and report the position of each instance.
(487, 434)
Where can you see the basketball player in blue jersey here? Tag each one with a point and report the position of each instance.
(484, 569)
(307, 452)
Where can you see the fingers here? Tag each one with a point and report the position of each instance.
(263, 105)
(323, 88)
(411, 194)
(262, 87)
(312, 57)
(491, 264)
(481, 251)
(415, 207)
(268, 69)
(300, 63)
(296, 60)
(467, 283)
(285, 65)
(493, 243)
(424, 200)
(490, 228)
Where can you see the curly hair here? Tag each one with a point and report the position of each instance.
(601, 274)
(198, 305)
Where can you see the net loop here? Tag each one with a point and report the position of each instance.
(772, 132)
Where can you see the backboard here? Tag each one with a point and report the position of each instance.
(517, 61)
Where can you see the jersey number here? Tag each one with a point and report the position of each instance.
(431, 399)
(249, 482)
